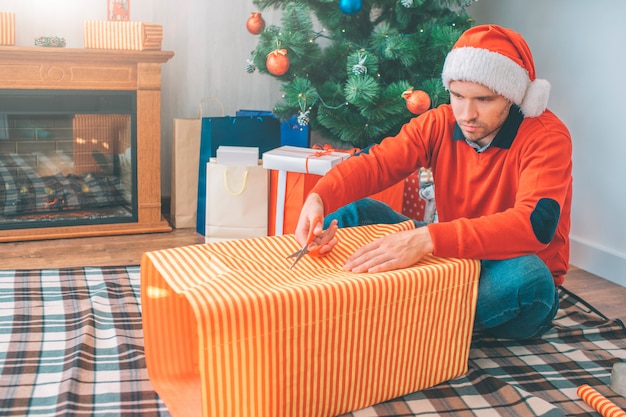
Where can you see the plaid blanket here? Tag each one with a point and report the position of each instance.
(530, 378)
(71, 344)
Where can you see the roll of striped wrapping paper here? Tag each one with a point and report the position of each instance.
(599, 402)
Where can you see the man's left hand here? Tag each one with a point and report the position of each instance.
(395, 251)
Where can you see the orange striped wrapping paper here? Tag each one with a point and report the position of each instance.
(231, 332)
(7, 28)
(123, 35)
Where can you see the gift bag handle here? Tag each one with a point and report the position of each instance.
(243, 185)
(214, 100)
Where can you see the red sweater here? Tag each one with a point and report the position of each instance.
(510, 200)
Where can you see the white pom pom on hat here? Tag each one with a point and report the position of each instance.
(500, 59)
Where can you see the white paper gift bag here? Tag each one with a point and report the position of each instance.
(237, 201)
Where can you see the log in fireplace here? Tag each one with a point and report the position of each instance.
(79, 143)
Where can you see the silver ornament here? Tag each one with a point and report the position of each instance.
(303, 118)
(250, 67)
(360, 68)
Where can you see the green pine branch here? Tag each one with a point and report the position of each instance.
(348, 72)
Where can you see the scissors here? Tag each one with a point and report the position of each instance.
(310, 238)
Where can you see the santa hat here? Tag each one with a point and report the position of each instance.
(499, 59)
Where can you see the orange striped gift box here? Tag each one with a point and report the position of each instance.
(7, 28)
(123, 35)
(230, 331)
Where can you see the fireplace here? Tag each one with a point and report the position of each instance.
(67, 158)
(79, 142)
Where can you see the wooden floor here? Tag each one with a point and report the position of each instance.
(606, 296)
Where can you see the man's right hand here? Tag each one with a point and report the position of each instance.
(313, 208)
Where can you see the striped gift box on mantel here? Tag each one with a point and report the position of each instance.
(123, 35)
(230, 331)
(7, 28)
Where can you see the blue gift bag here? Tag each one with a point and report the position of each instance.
(258, 131)
(291, 132)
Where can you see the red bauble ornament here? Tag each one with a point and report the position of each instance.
(255, 23)
(277, 62)
(417, 101)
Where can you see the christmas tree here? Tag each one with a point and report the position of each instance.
(357, 70)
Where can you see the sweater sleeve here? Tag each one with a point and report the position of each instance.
(536, 180)
(386, 163)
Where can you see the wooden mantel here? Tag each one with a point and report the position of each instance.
(38, 68)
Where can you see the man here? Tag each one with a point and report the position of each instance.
(502, 165)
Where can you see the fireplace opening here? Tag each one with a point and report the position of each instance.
(67, 158)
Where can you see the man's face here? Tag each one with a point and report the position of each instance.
(479, 111)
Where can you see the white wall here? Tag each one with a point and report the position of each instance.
(211, 44)
(578, 46)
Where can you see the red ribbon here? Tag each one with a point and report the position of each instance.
(326, 149)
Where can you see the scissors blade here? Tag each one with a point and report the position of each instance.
(310, 238)
(298, 256)
(293, 255)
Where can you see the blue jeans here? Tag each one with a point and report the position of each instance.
(517, 298)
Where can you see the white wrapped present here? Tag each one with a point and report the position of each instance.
(304, 160)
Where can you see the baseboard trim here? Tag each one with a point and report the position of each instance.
(604, 262)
